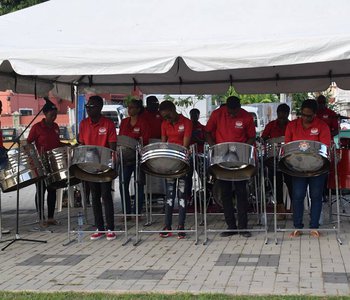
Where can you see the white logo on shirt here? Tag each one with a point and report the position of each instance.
(181, 127)
(137, 129)
(314, 131)
(102, 131)
(239, 124)
(325, 116)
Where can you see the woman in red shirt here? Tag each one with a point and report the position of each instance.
(137, 128)
(311, 128)
(45, 135)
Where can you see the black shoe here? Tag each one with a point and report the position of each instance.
(228, 233)
(246, 234)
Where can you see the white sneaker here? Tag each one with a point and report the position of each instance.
(111, 235)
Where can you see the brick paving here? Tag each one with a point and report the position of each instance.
(233, 265)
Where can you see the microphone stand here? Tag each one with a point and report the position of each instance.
(17, 141)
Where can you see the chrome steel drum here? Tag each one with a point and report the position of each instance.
(31, 169)
(94, 163)
(232, 161)
(56, 164)
(272, 148)
(128, 147)
(304, 158)
(165, 160)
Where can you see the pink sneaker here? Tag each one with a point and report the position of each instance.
(111, 235)
(96, 236)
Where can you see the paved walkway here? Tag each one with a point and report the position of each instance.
(237, 265)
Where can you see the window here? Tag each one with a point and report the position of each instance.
(25, 111)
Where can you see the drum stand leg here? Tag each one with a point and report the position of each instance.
(337, 197)
(205, 197)
(126, 238)
(17, 236)
(137, 181)
(263, 199)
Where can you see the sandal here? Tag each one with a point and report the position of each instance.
(315, 233)
(295, 233)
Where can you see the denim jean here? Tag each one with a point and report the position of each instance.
(127, 171)
(300, 185)
(280, 179)
(102, 190)
(39, 201)
(226, 192)
(173, 186)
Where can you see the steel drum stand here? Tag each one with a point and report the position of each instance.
(2, 231)
(263, 210)
(138, 231)
(17, 236)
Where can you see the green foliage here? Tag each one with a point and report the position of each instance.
(245, 99)
(7, 6)
(184, 102)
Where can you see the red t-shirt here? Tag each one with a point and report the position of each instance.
(98, 134)
(198, 131)
(318, 131)
(274, 130)
(175, 133)
(45, 138)
(328, 116)
(231, 129)
(154, 122)
(139, 130)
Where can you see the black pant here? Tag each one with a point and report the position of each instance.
(226, 192)
(40, 197)
(102, 190)
(280, 178)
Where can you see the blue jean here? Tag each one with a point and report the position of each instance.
(300, 185)
(127, 171)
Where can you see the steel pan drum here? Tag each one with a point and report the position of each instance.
(165, 160)
(232, 161)
(30, 168)
(304, 158)
(94, 163)
(272, 148)
(128, 147)
(56, 163)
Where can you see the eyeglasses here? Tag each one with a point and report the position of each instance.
(307, 116)
(90, 105)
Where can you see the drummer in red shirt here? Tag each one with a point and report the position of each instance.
(137, 128)
(276, 129)
(231, 123)
(45, 135)
(98, 130)
(152, 116)
(311, 128)
(175, 129)
(327, 115)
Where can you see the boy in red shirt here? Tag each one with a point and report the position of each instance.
(99, 131)
(178, 130)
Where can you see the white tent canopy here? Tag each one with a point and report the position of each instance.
(182, 46)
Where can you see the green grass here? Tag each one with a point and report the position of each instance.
(145, 296)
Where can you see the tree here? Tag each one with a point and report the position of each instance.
(7, 6)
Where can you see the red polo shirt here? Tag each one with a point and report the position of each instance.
(231, 129)
(140, 130)
(328, 116)
(198, 131)
(175, 133)
(274, 130)
(45, 138)
(318, 131)
(154, 122)
(98, 134)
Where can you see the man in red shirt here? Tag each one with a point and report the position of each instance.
(311, 128)
(327, 115)
(231, 123)
(152, 116)
(137, 128)
(99, 131)
(45, 135)
(275, 129)
(175, 129)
